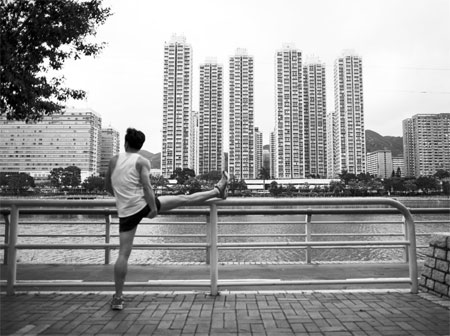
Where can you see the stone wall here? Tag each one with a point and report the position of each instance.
(435, 276)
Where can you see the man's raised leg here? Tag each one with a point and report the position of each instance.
(172, 202)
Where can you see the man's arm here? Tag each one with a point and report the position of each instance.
(143, 167)
(108, 182)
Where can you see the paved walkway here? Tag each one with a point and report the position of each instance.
(313, 313)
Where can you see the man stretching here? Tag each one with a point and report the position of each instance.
(128, 179)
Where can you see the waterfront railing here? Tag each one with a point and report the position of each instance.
(12, 209)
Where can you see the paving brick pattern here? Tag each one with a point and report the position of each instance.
(333, 313)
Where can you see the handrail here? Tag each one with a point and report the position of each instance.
(216, 208)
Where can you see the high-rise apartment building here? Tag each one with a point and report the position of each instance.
(258, 152)
(195, 139)
(348, 133)
(110, 146)
(315, 111)
(426, 144)
(69, 139)
(289, 115)
(241, 144)
(177, 147)
(210, 143)
(273, 158)
(398, 165)
(379, 163)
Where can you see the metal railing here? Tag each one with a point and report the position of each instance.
(13, 208)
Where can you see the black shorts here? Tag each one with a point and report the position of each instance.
(130, 222)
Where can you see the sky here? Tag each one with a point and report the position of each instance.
(404, 45)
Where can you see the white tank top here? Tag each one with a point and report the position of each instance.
(127, 187)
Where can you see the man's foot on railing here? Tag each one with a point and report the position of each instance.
(222, 185)
(117, 302)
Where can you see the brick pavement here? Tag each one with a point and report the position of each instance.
(313, 313)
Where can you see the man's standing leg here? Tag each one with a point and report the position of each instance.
(121, 266)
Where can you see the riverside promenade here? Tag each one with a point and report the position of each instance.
(239, 311)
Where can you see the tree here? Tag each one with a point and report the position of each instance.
(235, 184)
(426, 183)
(346, 177)
(158, 181)
(212, 176)
(442, 174)
(38, 36)
(55, 177)
(182, 175)
(274, 189)
(71, 177)
(193, 185)
(94, 183)
(17, 182)
(264, 174)
(68, 177)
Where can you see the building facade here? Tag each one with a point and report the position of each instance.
(272, 149)
(177, 147)
(241, 142)
(258, 152)
(289, 115)
(348, 133)
(72, 138)
(315, 111)
(426, 144)
(398, 165)
(210, 143)
(110, 146)
(379, 163)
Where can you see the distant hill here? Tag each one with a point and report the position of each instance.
(155, 159)
(375, 141)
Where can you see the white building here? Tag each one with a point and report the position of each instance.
(110, 146)
(258, 151)
(315, 111)
(177, 150)
(426, 144)
(72, 138)
(348, 134)
(379, 163)
(211, 118)
(289, 115)
(241, 144)
(398, 162)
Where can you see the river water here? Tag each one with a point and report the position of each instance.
(246, 226)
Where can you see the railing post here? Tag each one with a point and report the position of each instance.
(107, 238)
(214, 272)
(12, 251)
(308, 236)
(412, 256)
(405, 234)
(7, 226)
(208, 240)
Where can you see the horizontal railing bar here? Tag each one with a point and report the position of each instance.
(103, 245)
(322, 243)
(312, 247)
(281, 235)
(5, 246)
(204, 245)
(275, 282)
(428, 222)
(206, 283)
(204, 211)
